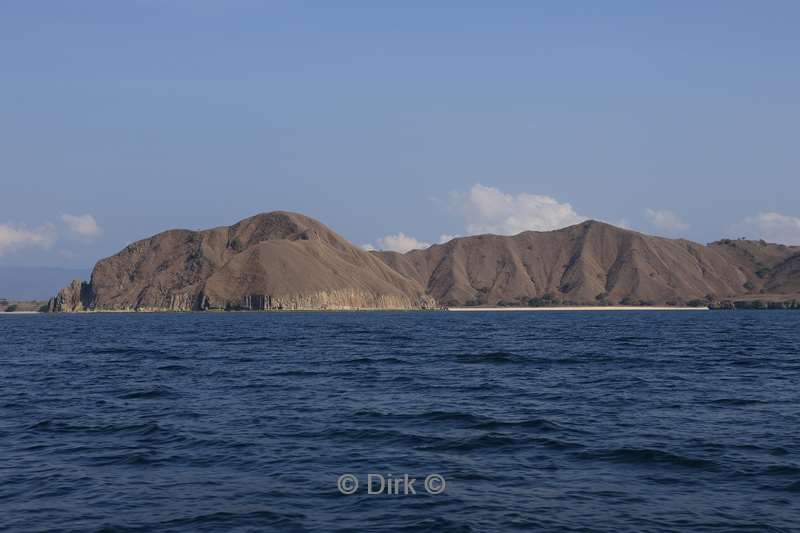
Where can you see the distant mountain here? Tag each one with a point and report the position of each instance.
(594, 262)
(35, 283)
(284, 260)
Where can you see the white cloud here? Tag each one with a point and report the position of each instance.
(82, 225)
(444, 237)
(400, 242)
(367, 247)
(12, 237)
(489, 210)
(666, 220)
(773, 227)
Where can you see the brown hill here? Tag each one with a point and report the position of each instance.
(595, 262)
(285, 260)
(276, 260)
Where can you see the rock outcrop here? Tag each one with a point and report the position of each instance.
(73, 298)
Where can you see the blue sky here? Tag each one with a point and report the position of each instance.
(121, 119)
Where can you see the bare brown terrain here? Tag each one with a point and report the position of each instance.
(275, 260)
(284, 260)
(594, 262)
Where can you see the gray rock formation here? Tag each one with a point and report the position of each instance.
(75, 297)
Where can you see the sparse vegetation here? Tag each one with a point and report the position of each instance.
(548, 299)
(236, 245)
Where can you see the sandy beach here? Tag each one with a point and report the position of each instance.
(578, 308)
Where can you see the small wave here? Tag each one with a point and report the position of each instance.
(489, 440)
(138, 458)
(793, 487)
(360, 361)
(150, 394)
(491, 358)
(782, 470)
(42, 425)
(539, 424)
(225, 520)
(753, 362)
(425, 416)
(57, 426)
(297, 373)
(371, 435)
(173, 367)
(736, 401)
(646, 456)
(123, 350)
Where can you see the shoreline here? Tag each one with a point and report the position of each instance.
(577, 308)
(453, 309)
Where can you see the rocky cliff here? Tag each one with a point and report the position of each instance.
(276, 260)
(73, 298)
(285, 260)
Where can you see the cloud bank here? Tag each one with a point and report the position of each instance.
(666, 220)
(400, 242)
(772, 227)
(489, 210)
(81, 225)
(13, 237)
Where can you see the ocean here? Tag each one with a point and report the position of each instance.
(569, 421)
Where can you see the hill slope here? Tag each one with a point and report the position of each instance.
(595, 262)
(284, 260)
(276, 260)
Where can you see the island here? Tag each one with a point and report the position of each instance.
(288, 261)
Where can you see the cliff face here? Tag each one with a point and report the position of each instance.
(592, 263)
(276, 260)
(73, 298)
(285, 260)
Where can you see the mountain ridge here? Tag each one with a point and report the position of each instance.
(285, 260)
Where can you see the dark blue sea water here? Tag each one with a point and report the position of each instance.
(593, 421)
